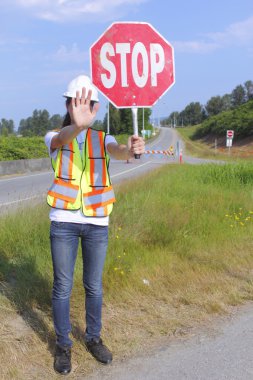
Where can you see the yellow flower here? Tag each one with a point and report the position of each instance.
(116, 268)
(119, 256)
(241, 223)
(117, 236)
(119, 228)
(122, 272)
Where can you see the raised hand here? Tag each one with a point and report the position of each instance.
(80, 110)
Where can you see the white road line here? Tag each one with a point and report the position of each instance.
(20, 200)
(129, 170)
(24, 176)
(38, 196)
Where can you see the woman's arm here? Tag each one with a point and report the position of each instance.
(135, 145)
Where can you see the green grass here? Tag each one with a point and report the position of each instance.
(180, 249)
(195, 147)
(198, 148)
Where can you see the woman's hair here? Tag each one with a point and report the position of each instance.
(67, 119)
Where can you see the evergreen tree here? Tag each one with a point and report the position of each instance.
(6, 127)
(238, 96)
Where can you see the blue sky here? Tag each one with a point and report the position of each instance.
(44, 44)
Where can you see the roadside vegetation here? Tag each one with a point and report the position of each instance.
(20, 148)
(180, 251)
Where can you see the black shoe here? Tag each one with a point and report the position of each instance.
(62, 360)
(99, 351)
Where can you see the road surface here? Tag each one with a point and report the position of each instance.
(222, 351)
(21, 189)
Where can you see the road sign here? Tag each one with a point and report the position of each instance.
(230, 134)
(132, 64)
(229, 142)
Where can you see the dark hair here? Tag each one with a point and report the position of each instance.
(67, 118)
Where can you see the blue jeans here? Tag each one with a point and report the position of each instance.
(64, 239)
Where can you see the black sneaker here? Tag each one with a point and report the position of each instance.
(62, 360)
(99, 351)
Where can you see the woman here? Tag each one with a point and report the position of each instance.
(81, 199)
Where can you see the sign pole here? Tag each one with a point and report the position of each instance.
(135, 125)
(108, 119)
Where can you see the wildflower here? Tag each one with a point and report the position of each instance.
(241, 223)
(117, 236)
(116, 268)
(122, 272)
(231, 225)
(119, 228)
(119, 256)
(145, 282)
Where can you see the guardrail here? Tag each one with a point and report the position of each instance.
(24, 166)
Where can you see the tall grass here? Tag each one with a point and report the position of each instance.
(180, 248)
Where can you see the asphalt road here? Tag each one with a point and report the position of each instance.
(221, 351)
(18, 190)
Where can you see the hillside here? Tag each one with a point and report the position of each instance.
(239, 119)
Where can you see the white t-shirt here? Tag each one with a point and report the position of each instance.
(59, 215)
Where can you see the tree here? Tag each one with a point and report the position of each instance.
(238, 96)
(6, 127)
(36, 125)
(227, 102)
(114, 119)
(99, 125)
(56, 121)
(249, 89)
(192, 114)
(214, 105)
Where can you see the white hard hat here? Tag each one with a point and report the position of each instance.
(77, 84)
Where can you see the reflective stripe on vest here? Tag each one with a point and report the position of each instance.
(99, 198)
(75, 186)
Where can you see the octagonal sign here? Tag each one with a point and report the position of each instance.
(132, 64)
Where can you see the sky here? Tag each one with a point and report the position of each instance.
(44, 44)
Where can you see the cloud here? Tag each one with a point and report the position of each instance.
(195, 46)
(72, 10)
(236, 34)
(72, 54)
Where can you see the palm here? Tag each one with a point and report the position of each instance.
(80, 110)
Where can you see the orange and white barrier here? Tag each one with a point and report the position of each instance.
(165, 152)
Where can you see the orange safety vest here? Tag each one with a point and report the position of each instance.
(83, 182)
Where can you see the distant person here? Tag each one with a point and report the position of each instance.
(81, 199)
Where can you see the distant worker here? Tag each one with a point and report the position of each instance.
(81, 199)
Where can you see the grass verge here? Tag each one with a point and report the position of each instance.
(241, 150)
(180, 250)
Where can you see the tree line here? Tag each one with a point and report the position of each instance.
(121, 120)
(40, 122)
(195, 113)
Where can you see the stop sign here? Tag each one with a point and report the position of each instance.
(230, 133)
(132, 64)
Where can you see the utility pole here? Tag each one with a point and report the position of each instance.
(108, 119)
